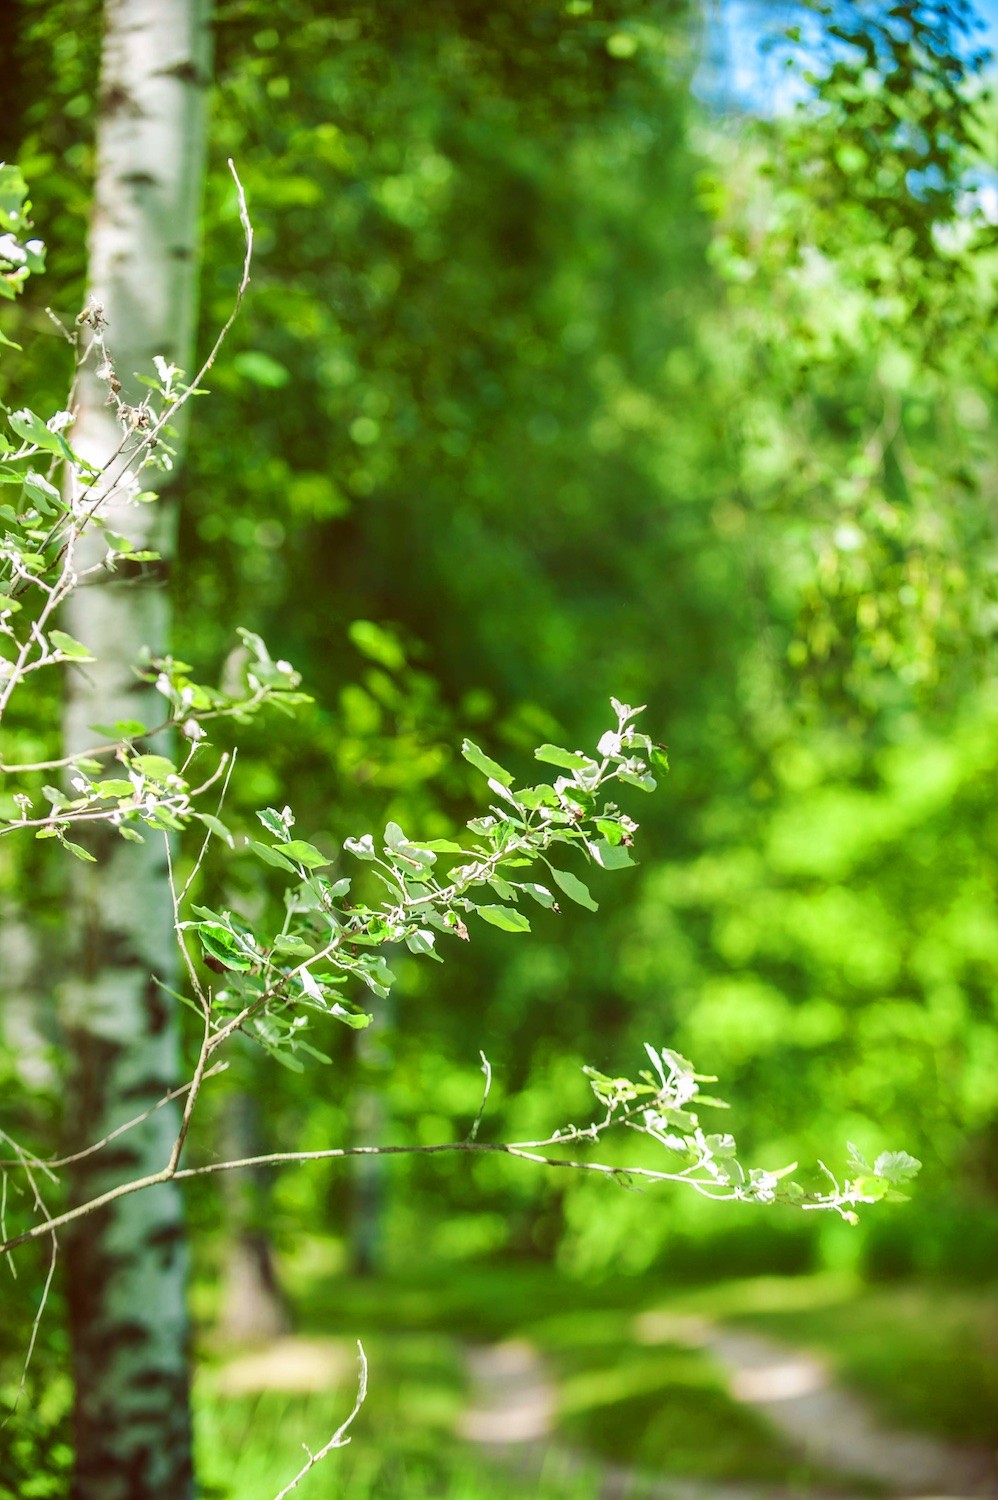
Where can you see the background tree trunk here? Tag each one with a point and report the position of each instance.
(26, 1005)
(370, 1127)
(127, 1265)
(253, 1309)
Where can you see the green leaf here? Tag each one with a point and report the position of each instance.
(540, 893)
(155, 767)
(569, 760)
(286, 1059)
(80, 853)
(897, 1166)
(33, 430)
(612, 832)
(357, 1019)
(217, 827)
(574, 888)
(258, 646)
(118, 543)
(362, 848)
(161, 818)
(442, 846)
(871, 1187)
(222, 945)
(71, 649)
(537, 796)
(422, 941)
(262, 369)
(274, 823)
(115, 787)
(645, 783)
(312, 1051)
(271, 856)
(378, 644)
(13, 192)
(504, 917)
(42, 493)
(610, 856)
(123, 729)
(305, 854)
(287, 945)
(483, 763)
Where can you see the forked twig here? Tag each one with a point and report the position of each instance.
(339, 1438)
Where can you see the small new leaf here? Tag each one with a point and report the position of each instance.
(897, 1166)
(68, 648)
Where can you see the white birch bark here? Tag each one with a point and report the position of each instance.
(127, 1265)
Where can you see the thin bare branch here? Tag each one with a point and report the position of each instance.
(67, 1161)
(487, 1070)
(340, 1437)
(46, 1288)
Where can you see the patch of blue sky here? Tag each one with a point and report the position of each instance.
(743, 68)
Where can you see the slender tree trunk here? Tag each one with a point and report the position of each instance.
(370, 1128)
(253, 1309)
(127, 1265)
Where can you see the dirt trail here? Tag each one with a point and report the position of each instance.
(514, 1401)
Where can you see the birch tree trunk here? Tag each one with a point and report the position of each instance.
(127, 1264)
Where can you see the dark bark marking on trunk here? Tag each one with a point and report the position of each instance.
(167, 1237)
(117, 100)
(152, 1086)
(119, 1159)
(187, 71)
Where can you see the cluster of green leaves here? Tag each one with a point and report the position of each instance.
(898, 86)
(326, 942)
(488, 387)
(39, 533)
(663, 1104)
(857, 246)
(273, 985)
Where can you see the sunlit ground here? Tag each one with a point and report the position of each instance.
(633, 1381)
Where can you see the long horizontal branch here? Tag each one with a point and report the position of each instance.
(534, 1151)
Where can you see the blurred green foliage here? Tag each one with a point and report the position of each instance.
(552, 384)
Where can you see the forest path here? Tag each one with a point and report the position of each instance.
(514, 1402)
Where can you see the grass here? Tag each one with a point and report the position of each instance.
(251, 1445)
(926, 1355)
(667, 1412)
(921, 1352)
(663, 1409)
